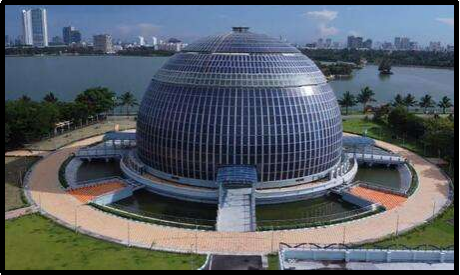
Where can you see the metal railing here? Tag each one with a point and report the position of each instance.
(167, 219)
(264, 225)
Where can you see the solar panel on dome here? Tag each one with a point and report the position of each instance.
(240, 99)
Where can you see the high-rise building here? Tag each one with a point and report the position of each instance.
(397, 43)
(328, 43)
(402, 43)
(56, 40)
(154, 41)
(141, 41)
(7, 41)
(67, 34)
(27, 38)
(320, 43)
(76, 37)
(435, 46)
(39, 27)
(71, 35)
(354, 42)
(367, 44)
(103, 43)
(405, 43)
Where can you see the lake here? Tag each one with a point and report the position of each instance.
(66, 76)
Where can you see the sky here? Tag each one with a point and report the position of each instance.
(298, 24)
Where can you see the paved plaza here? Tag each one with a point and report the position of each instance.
(45, 191)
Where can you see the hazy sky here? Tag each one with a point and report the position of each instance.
(298, 24)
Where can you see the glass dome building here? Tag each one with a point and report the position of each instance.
(240, 98)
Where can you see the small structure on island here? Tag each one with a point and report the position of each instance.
(385, 67)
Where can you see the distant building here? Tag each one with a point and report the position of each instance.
(354, 42)
(435, 46)
(320, 43)
(56, 40)
(387, 46)
(71, 35)
(35, 27)
(103, 43)
(402, 43)
(336, 45)
(154, 41)
(27, 38)
(141, 41)
(367, 44)
(7, 41)
(450, 48)
(76, 37)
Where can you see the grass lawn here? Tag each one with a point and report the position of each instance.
(382, 132)
(15, 168)
(273, 262)
(440, 232)
(34, 242)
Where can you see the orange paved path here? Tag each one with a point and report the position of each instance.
(44, 185)
(390, 201)
(87, 194)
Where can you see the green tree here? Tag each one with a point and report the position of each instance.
(445, 104)
(29, 120)
(426, 102)
(348, 100)
(25, 98)
(385, 66)
(365, 96)
(440, 137)
(50, 98)
(7, 134)
(409, 101)
(97, 100)
(381, 112)
(128, 100)
(398, 101)
(406, 123)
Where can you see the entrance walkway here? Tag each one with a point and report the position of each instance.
(44, 189)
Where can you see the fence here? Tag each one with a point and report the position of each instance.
(314, 221)
(291, 256)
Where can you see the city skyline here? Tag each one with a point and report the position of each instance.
(299, 24)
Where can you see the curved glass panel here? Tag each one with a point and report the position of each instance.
(240, 99)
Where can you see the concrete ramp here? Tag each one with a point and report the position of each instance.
(237, 203)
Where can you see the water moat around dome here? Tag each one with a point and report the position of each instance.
(305, 213)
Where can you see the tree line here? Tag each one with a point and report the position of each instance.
(27, 120)
(396, 58)
(366, 96)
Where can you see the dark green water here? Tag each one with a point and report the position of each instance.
(151, 205)
(98, 169)
(380, 175)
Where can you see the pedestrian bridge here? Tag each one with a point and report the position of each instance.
(237, 202)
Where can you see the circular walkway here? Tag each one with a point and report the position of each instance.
(44, 187)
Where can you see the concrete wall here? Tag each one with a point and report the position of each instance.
(114, 196)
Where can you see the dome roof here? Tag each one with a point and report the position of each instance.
(240, 40)
(241, 58)
(240, 99)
